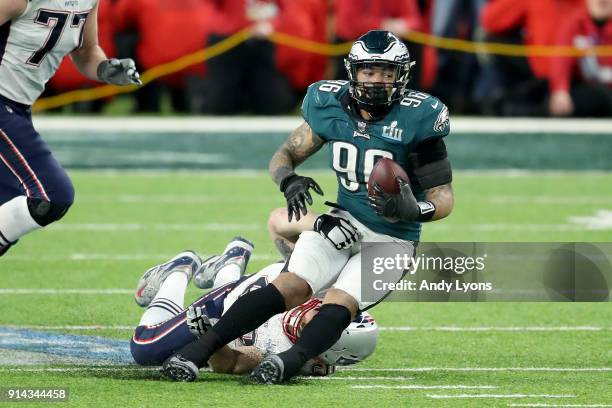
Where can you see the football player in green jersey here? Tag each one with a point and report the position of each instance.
(373, 115)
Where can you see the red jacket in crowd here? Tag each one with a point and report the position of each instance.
(539, 18)
(166, 31)
(300, 18)
(580, 31)
(355, 17)
(67, 76)
(305, 19)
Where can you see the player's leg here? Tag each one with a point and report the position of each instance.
(322, 332)
(310, 269)
(285, 234)
(162, 291)
(340, 306)
(46, 191)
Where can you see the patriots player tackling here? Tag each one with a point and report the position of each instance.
(373, 115)
(166, 325)
(35, 36)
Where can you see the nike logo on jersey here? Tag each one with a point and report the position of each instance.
(435, 105)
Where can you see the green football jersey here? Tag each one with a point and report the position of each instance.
(356, 144)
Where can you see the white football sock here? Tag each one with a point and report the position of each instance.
(229, 273)
(15, 220)
(168, 302)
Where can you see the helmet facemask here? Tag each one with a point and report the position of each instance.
(378, 50)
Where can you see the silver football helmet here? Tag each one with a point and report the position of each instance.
(358, 342)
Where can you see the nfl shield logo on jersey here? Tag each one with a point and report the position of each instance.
(361, 131)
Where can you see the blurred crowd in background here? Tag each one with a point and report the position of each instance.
(262, 77)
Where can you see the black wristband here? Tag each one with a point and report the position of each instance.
(286, 180)
(427, 210)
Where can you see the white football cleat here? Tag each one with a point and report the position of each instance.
(187, 262)
(238, 252)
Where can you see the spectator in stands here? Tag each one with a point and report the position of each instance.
(309, 20)
(355, 17)
(166, 30)
(68, 78)
(456, 72)
(256, 76)
(523, 86)
(583, 86)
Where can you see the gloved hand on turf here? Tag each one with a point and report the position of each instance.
(402, 206)
(119, 72)
(197, 321)
(296, 192)
(337, 230)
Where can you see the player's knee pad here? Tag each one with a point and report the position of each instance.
(45, 212)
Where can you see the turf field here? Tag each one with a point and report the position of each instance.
(77, 278)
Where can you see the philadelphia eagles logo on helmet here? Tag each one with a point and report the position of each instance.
(378, 48)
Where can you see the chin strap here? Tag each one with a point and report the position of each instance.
(376, 112)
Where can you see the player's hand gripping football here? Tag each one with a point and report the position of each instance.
(337, 230)
(401, 206)
(296, 192)
(197, 321)
(119, 72)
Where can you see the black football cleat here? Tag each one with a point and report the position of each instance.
(269, 371)
(178, 368)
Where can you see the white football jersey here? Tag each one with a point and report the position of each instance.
(33, 45)
(270, 336)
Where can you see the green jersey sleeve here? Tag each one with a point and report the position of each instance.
(321, 106)
(435, 121)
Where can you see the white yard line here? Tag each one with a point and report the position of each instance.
(19, 291)
(158, 227)
(428, 369)
(501, 396)
(283, 124)
(496, 328)
(424, 387)
(561, 405)
(358, 378)
(383, 328)
(80, 368)
(91, 256)
(137, 227)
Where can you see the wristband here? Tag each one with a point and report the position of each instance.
(427, 209)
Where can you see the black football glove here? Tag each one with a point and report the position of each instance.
(402, 206)
(119, 72)
(339, 231)
(296, 192)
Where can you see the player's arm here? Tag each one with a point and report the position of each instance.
(235, 361)
(88, 57)
(432, 171)
(301, 144)
(10, 9)
(442, 198)
(91, 60)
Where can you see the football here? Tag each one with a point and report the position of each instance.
(384, 173)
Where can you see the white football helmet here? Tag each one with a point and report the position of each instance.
(358, 342)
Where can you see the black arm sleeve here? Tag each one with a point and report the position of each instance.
(430, 163)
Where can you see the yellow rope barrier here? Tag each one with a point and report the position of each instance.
(148, 76)
(317, 48)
